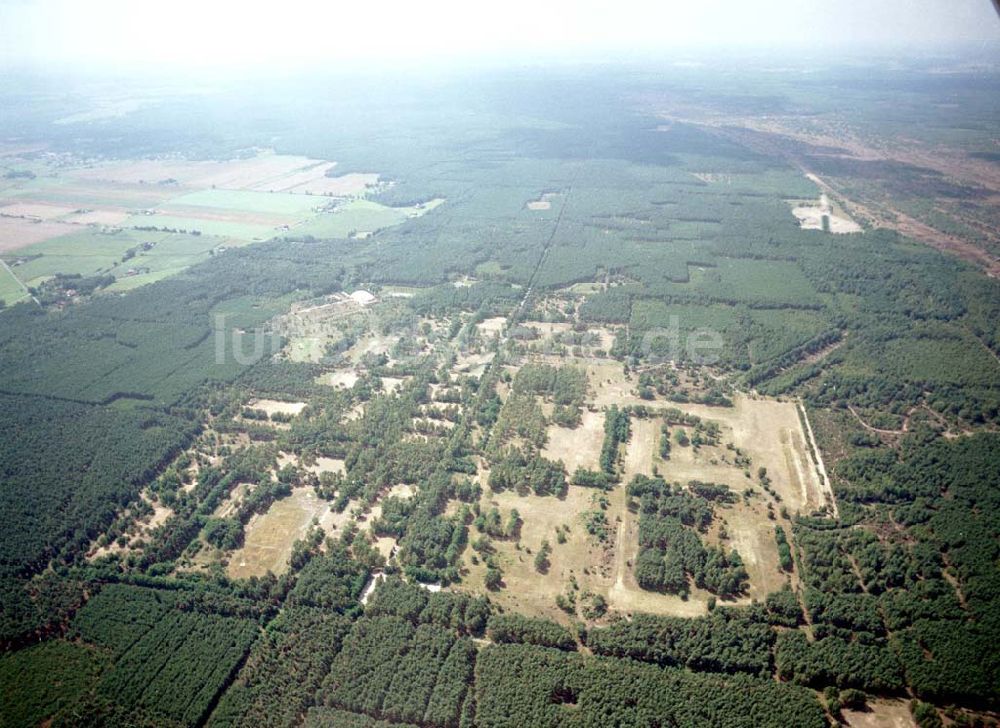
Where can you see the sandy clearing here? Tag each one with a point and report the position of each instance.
(322, 464)
(686, 464)
(354, 412)
(372, 344)
(160, 515)
(271, 406)
(392, 384)
(768, 429)
(385, 545)
(626, 596)
(401, 490)
(344, 379)
(489, 327)
(823, 476)
(810, 217)
(881, 713)
(544, 202)
(547, 328)
(326, 465)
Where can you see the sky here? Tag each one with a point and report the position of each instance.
(231, 33)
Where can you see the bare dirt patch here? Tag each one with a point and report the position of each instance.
(401, 490)
(609, 385)
(751, 534)
(626, 596)
(770, 432)
(548, 328)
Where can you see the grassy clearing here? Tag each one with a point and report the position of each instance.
(579, 447)
(581, 557)
(767, 430)
(269, 537)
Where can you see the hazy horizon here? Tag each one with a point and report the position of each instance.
(224, 35)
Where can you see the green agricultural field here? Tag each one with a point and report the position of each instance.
(10, 289)
(90, 252)
(86, 252)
